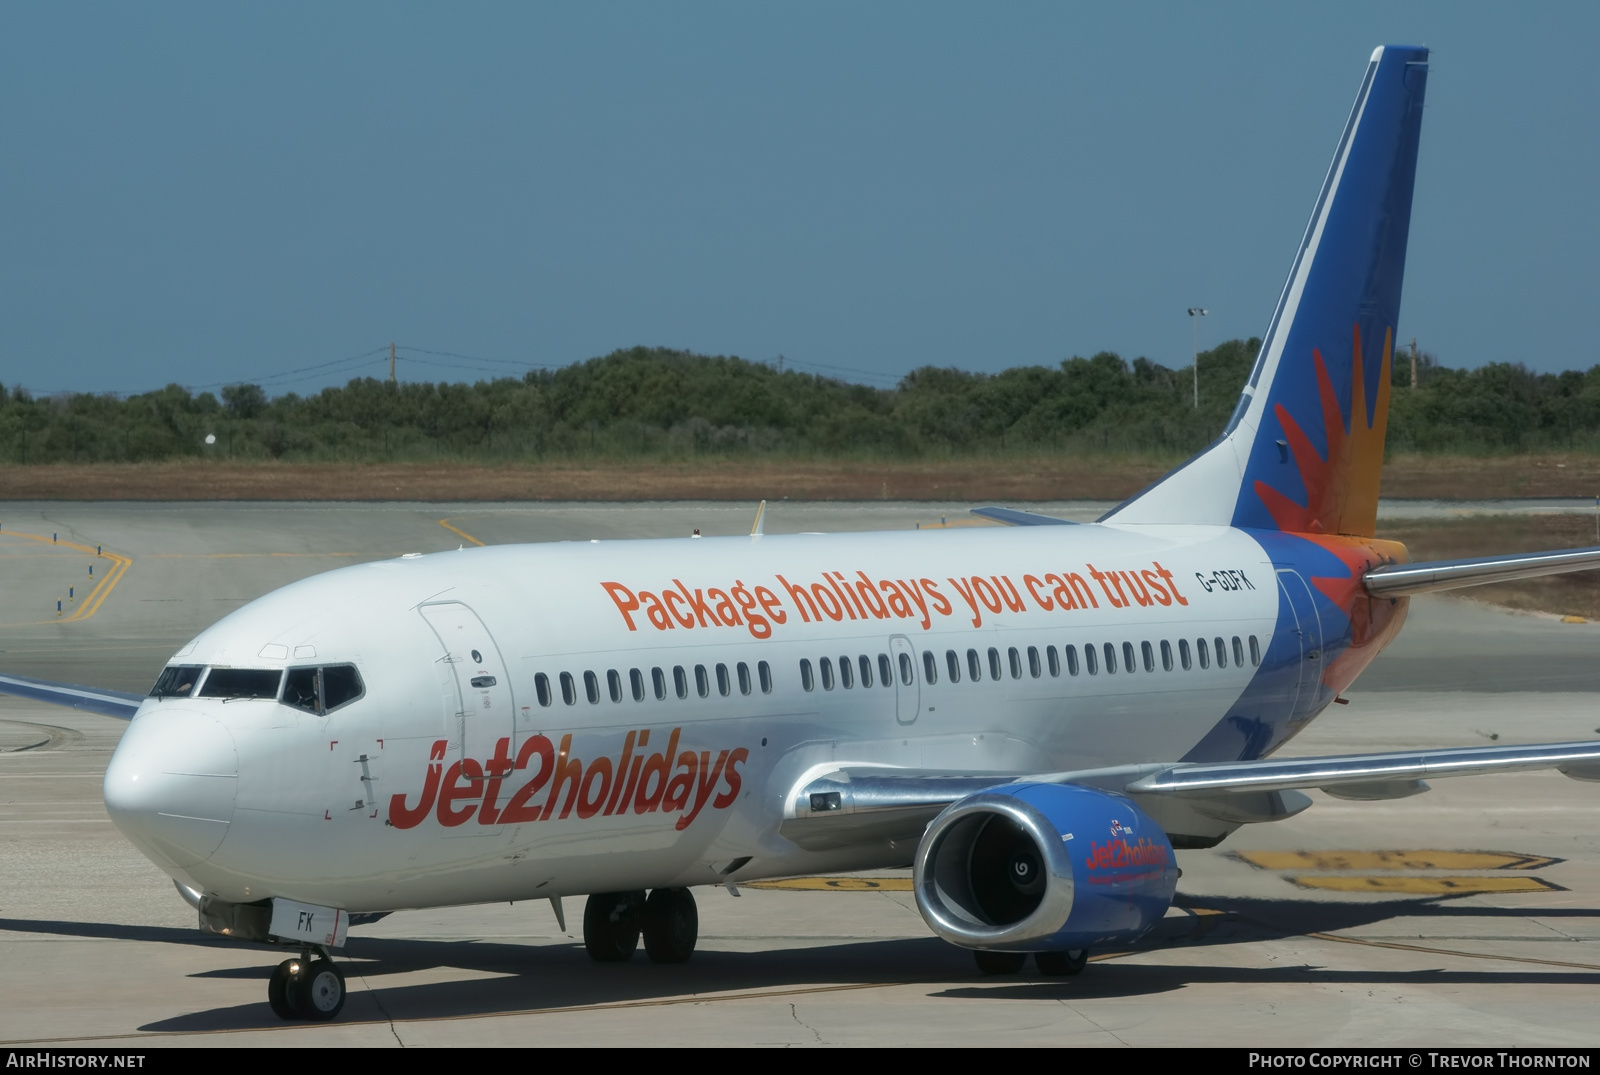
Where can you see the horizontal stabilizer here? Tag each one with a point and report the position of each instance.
(1403, 580)
(1013, 517)
(118, 704)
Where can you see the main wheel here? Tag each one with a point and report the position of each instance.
(671, 925)
(611, 925)
(278, 986)
(1061, 963)
(317, 991)
(999, 962)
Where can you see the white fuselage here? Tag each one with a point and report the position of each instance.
(572, 659)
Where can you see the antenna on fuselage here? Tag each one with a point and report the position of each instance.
(761, 518)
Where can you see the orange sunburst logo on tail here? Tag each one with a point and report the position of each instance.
(1341, 509)
(1341, 490)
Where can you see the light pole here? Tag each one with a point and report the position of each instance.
(1195, 314)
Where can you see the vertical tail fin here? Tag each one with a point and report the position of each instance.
(1304, 447)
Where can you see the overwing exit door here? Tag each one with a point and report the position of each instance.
(482, 701)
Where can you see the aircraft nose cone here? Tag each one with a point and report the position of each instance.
(171, 784)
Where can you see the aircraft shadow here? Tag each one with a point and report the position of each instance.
(112, 931)
(506, 978)
(499, 977)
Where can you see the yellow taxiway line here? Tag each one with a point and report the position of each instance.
(457, 530)
(102, 589)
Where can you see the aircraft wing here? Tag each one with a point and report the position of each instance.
(854, 805)
(118, 704)
(1015, 517)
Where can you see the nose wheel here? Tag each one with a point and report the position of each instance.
(308, 988)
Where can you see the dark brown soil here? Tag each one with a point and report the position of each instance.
(1002, 479)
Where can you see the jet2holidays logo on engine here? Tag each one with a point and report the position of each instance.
(666, 781)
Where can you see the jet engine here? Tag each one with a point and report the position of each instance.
(1043, 867)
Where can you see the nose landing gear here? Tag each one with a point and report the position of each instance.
(309, 988)
(613, 921)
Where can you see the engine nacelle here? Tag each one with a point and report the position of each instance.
(1043, 867)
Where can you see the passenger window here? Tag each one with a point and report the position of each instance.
(300, 689)
(1166, 655)
(569, 690)
(885, 671)
(1015, 660)
(974, 669)
(614, 683)
(1205, 654)
(178, 680)
(636, 681)
(1089, 660)
(806, 682)
(702, 681)
(1238, 652)
(744, 677)
(826, 667)
(1034, 668)
(724, 684)
(658, 680)
(994, 663)
(541, 687)
(952, 664)
(1149, 654)
(1255, 651)
(1222, 653)
(907, 672)
(764, 672)
(1183, 653)
(591, 687)
(847, 678)
(1072, 659)
(1127, 657)
(1111, 658)
(930, 666)
(242, 683)
(866, 670)
(1053, 659)
(680, 680)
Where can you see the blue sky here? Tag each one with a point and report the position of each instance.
(207, 193)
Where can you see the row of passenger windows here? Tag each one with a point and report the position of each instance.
(725, 680)
(848, 671)
(1038, 660)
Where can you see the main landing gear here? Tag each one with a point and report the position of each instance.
(613, 921)
(1054, 964)
(309, 988)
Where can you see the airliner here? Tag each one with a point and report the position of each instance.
(1031, 716)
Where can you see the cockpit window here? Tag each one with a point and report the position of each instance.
(242, 683)
(300, 689)
(340, 684)
(321, 690)
(177, 681)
